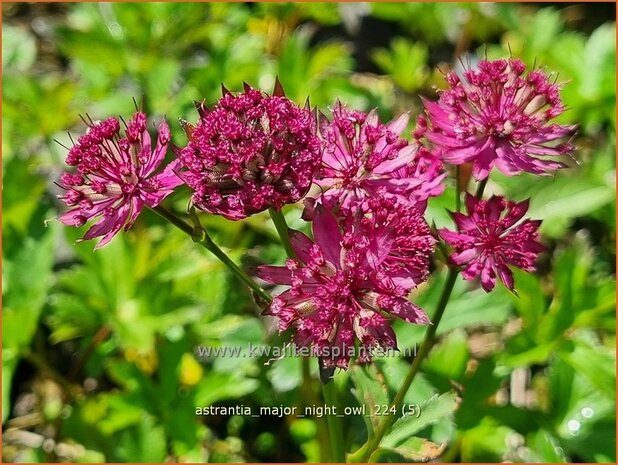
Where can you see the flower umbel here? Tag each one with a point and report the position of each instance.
(114, 177)
(341, 288)
(489, 239)
(250, 152)
(364, 158)
(401, 230)
(499, 115)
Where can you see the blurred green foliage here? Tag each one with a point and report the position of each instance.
(99, 360)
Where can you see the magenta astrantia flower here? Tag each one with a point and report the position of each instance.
(364, 158)
(402, 230)
(490, 238)
(346, 284)
(114, 177)
(499, 115)
(252, 151)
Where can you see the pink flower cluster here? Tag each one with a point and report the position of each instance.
(249, 153)
(372, 245)
(364, 159)
(489, 238)
(498, 114)
(114, 177)
(344, 285)
(365, 187)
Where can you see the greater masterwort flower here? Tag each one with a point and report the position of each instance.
(401, 230)
(499, 115)
(344, 286)
(114, 177)
(250, 152)
(489, 239)
(364, 158)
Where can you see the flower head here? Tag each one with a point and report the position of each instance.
(364, 158)
(499, 115)
(114, 176)
(490, 238)
(344, 286)
(403, 237)
(250, 152)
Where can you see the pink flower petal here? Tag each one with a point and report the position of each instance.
(301, 245)
(327, 235)
(275, 274)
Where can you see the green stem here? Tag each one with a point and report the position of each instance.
(368, 449)
(309, 399)
(336, 437)
(283, 230)
(362, 454)
(480, 189)
(457, 188)
(329, 390)
(333, 430)
(200, 236)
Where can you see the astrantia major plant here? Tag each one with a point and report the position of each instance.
(364, 187)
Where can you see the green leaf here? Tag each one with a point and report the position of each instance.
(406, 61)
(521, 350)
(596, 363)
(531, 302)
(431, 411)
(70, 318)
(121, 412)
(144, 443)
(557, 201)
(329, 58)
(220, 386)
(370, 391)
(478, 387)
(575, 289)
(413, 449)
(573, 397)
(544, 447)
(27, 279)
(466, 307)
(449, 358)
(598, 70)
(18, 49)
(20, 206)
(285, 374)
(487, 442)
(395, 369)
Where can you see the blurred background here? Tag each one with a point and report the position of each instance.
(98, 349)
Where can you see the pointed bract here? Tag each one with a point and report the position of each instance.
(278, 89)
